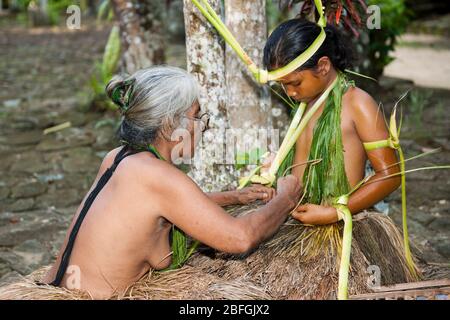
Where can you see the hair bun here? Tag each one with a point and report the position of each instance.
(343, 57)
(119, 89)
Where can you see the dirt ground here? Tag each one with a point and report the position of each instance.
(44, 177)
(422, 58)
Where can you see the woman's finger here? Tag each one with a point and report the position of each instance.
(259, 188)
(302, 208)
(261, 195)
(297, 215)
(271, 193)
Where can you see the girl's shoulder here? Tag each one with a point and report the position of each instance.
(356, 100)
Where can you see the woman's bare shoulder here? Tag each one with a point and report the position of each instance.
(108, 159)
(155, 171)
(147, 169)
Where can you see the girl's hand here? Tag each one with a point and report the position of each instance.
(315, 214)
(253, 193)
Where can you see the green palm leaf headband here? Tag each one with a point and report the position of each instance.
(262, 75)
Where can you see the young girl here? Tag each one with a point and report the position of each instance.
(336, 133)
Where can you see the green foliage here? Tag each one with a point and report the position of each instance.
(111, 55)
(179, 247)
(106, 69)
(394, 20)
(57, 9)
(182, 249)
(105, 11)
(22, 5)
(274, 15)
(326, 180)
(287, 162)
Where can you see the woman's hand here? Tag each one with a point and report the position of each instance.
(253, 193)
(315, 214)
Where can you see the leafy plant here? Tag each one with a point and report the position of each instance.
(105, 11)
(106, 69)
(394, 19)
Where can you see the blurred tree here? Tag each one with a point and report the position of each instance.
(248, 103)
(206, 61)
(38, 13)
(142, 32)
(228, 91)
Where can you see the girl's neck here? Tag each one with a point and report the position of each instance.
(330, 78)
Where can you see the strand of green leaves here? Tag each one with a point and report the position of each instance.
(325, 181)
(394, 142)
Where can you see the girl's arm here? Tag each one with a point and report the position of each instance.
(370, 126)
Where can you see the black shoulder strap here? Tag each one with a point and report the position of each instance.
(125, 152)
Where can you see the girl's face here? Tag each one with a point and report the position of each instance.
(305, 85)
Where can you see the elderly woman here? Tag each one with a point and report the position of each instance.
(121, 228)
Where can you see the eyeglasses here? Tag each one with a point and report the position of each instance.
(204, 120)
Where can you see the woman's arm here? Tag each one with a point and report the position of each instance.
(243, 196)
(182, 202)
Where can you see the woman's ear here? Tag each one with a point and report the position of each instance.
(166, 130)
(323, 66)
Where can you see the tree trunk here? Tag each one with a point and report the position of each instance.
(38, 13)
(89, 7)
(248, 103)
(206, 61)
(142, 32)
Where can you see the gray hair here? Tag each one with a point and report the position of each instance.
(152, 101)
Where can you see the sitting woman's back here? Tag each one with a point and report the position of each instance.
(120, 238)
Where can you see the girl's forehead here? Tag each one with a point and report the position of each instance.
(293, 76)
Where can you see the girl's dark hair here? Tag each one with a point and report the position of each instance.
(294, 36)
